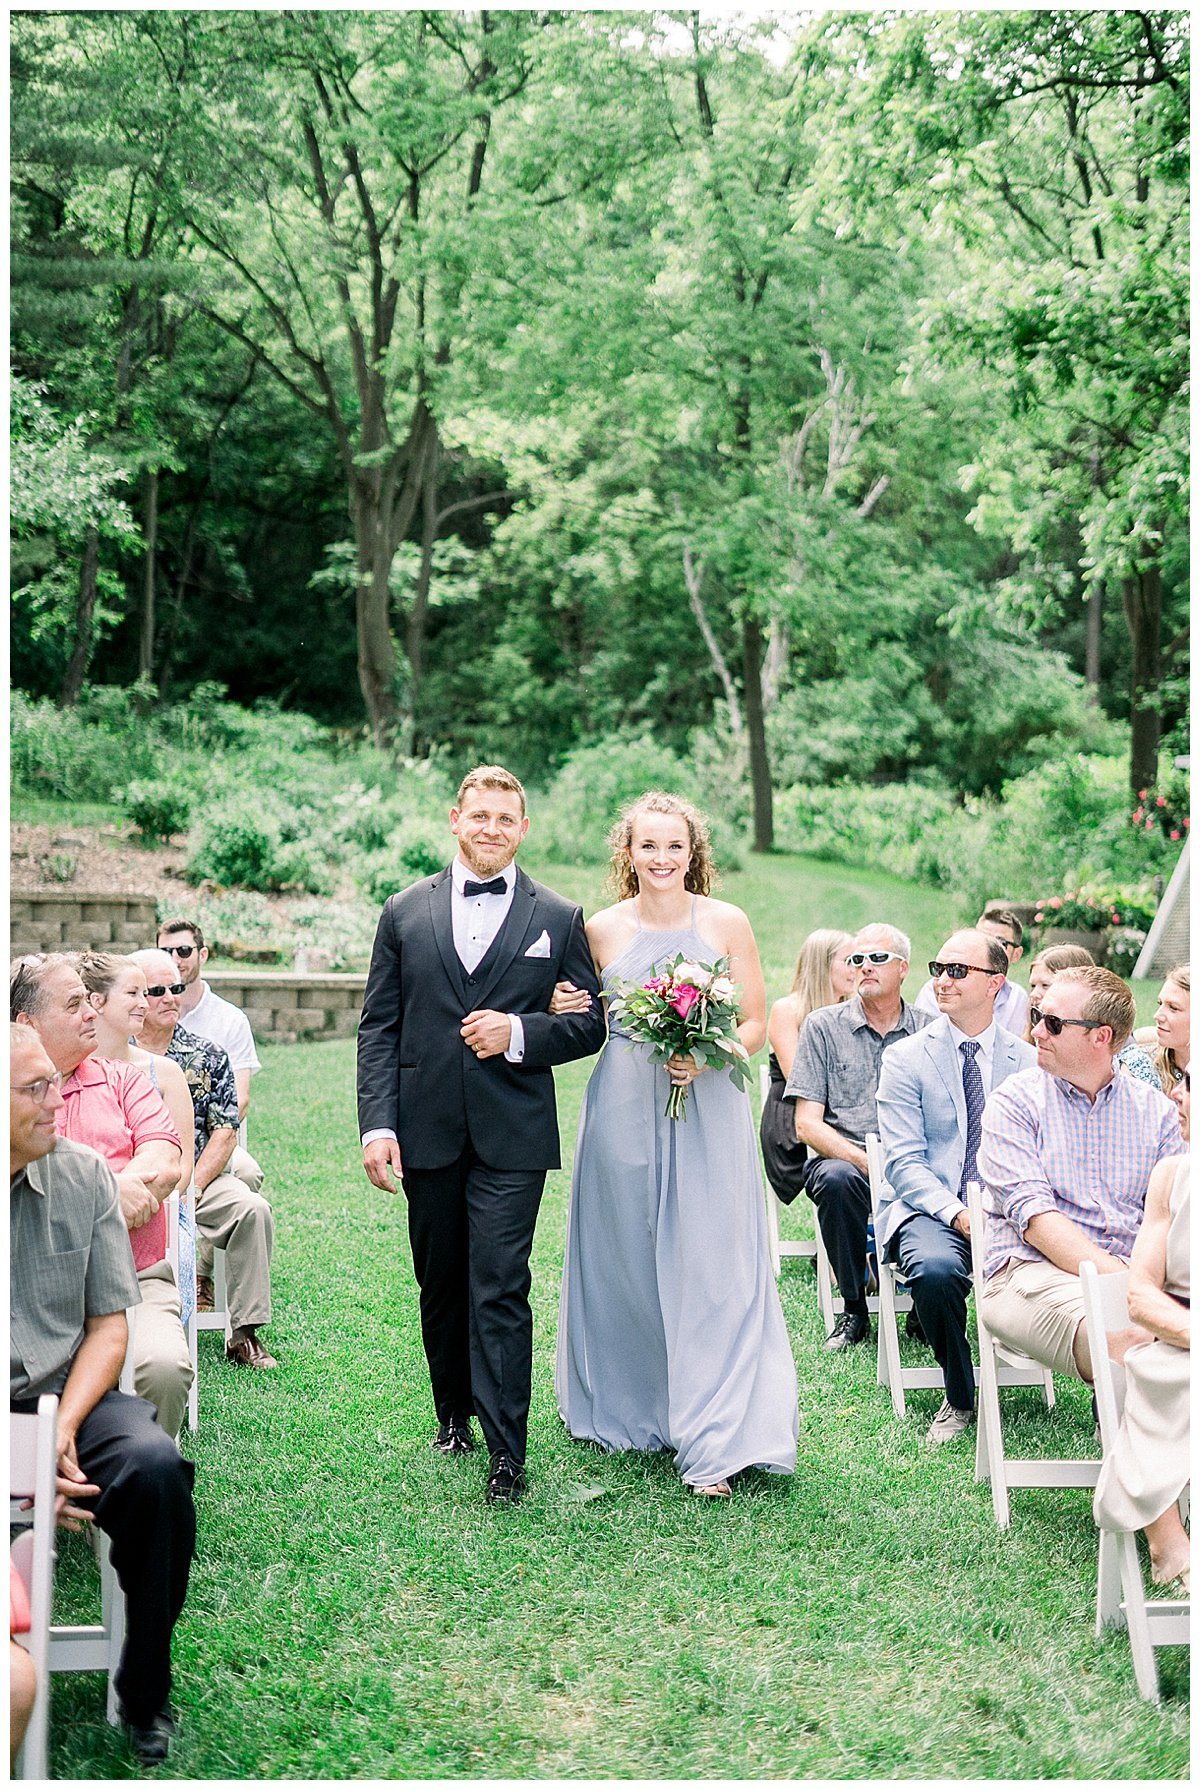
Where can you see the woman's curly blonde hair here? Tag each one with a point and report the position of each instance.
(701, 871)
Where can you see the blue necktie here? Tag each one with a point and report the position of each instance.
(974, 1096)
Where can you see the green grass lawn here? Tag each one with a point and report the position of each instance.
(356, 1611)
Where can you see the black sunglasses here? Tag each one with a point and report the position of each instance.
(166, 988)
(958, 972)
(181, 951)
(1054, 1024)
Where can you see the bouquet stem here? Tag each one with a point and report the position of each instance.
(677, 1102)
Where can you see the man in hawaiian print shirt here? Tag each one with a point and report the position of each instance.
(229, 1214)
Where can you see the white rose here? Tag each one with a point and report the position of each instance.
(724, 989)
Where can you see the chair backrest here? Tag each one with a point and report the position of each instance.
(875, 1172)
(32, 1457)
(764, 1083)
(1105, 1309)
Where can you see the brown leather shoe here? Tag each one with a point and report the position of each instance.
(245, 1350)
(204, 1293)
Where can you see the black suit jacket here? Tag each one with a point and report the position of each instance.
(417, 1078)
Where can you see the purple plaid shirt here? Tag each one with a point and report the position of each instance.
(1048, 1148)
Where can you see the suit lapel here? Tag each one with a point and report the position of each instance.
(443, 932)
(949, 1063)
(1003, 1057)
(508, 940)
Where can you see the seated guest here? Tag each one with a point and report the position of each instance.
(72, 1277)
(834, 1075)
(1173, 1028)
(1067, 1152)
(229, 1214)
(1012, 1006)
(932, 1089)
(117, 993)
(822, 978)
(1042, 971)
(113, 1109)
(1143, 1476)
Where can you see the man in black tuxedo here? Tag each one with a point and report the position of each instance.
(456, 1098)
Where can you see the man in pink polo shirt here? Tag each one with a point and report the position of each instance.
(115, 1109)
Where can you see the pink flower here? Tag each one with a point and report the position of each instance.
(1149, 823)
(1037, 918)
(685, 999)
(1186, 822)
(654, 986)
(1116, 918)
(1142, 794)
(1056, 901)
(1160, 801)
(1137, 816)
(1175, 832)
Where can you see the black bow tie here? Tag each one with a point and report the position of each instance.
(497, 886)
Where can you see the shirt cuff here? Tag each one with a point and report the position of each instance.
(516, 1049)
(368, 1137)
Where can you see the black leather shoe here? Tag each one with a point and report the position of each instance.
(150, 1741)
(506, 1482)
(850, 1328)
(454, 1437)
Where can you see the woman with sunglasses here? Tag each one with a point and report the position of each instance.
(117, 993)
(1173, 1028)
(1144, 1475)
(822, 978)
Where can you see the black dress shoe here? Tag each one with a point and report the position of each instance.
(506, 1482)
(150, 1741)
(454, 1437)
(852, 1327)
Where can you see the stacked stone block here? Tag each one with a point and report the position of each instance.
(285, 1008)
(80, 921)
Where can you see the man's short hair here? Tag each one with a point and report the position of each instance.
(27, 979)
(900, 940)
(999, 915)
(488, 776)
(167, 927)
(1110, 1001)
(997, 956)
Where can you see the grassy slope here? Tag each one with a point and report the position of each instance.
(356, 1610)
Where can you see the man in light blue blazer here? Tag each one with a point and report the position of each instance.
(932, 1090)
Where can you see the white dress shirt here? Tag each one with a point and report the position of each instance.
(987, 1049)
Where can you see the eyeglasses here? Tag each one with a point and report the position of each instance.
(1054, 1024)
(38, 1090)
(856, 959)
(183, 952)
(166, 988)
(957, 972)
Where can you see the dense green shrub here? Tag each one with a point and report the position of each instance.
(235, 844)
(158, 806)
(908, 829)
(423, 852)
(58, 752)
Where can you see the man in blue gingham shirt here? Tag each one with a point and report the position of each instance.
(1067, 1151)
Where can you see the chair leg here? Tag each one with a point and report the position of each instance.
(112, 1614)
(888, 1351)
(1048, 1389)
(991, 1443)
(1136, 1620)
(772, 1227)
(1108, 1584)
(824, 1283)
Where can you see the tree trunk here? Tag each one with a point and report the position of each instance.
(418, 612)
(1142, 595)
(1095, 622)
(150, 535)
(85, 609)
(377, 663)
(756, 734)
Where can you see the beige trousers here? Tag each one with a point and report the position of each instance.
(1038, 1307)
(162, 1368)
(233, 1215)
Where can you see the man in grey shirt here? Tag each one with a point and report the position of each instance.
(72, 1277)
(835, 1073)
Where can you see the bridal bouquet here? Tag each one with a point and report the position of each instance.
(685, 1009)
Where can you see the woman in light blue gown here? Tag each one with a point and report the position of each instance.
(670, 1330)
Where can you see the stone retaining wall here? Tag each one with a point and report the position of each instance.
(79, 920)
(284, 1008)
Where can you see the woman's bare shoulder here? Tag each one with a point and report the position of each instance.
(610, 928)
(723, 917)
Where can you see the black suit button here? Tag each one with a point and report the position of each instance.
(471, 981)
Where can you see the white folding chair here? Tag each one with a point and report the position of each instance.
(787, 1246)
(70, 1647)
(218, 1317)
(1002, 1365)
(190, 1328)
(32, 1444)
(894, 1297)
(1121, 1600)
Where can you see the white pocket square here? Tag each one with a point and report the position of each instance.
(540, 946)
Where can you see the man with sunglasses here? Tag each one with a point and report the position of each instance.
(113, 1108)
(72, 1278)
(1067, 1152)
(229, 1214)
(834, 1076)
(932, 1090)
(1012, 1003)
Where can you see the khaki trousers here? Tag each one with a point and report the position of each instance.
(1038, 1307)
(233, 1215)
(162, 1368)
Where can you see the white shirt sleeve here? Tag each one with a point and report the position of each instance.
(516, 1048)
